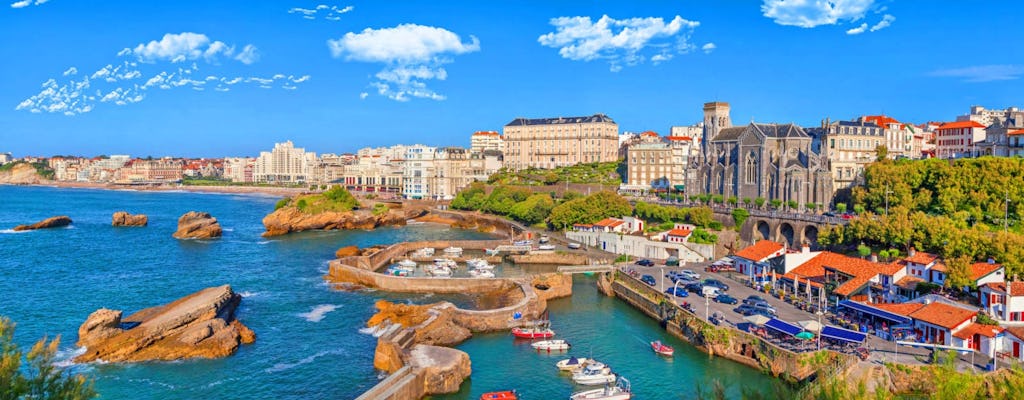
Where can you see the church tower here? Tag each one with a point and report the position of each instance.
(716, 118)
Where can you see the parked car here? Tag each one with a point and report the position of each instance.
(716, 283)
(648, 280)
(645, 263)
(677, 291)
(678, 278)
(726, 299)
(672, 261)
(847, 216)
(574, 246)
(746, 310)
(694, 287)
(710, 292)
(689, 275)
(752, 299)
(764, 309)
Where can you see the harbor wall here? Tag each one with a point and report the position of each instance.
(404, 384)
(399, 250)
(724, 341)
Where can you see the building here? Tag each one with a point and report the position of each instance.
(418, 171)
(6, 158)
(558, 142)
(694, 132)
(240, 169)
(626, 236)
(103, 169)
(374, 172)
(850, 146)
(1003, 301)
(753, 260)
(162, 170)
(770, 161)
(456, 168)
(958, 139)
(998, 135)
(285, 164)
(656, 163)
(986, 117)
(899, 137)
(486, 140)
(1015, 143)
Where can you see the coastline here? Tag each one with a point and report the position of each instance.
(265, 191)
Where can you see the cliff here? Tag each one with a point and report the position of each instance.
(290, 219)
(197, 225)
(52, 222)
(21, 174)
(200, 325)
(123, 218)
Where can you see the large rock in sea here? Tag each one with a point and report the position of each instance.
(52, 222)
(290, 219)
(197, 225)
(200, 325)
(123, 218)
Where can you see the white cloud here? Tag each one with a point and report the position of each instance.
(708, 47)
(363, 95)
(332, 13)
(179, 47)
(858, 30)
(248, 55)
(299, 79)
(71, 71)
(983, 73)
(412, 54)
(887, 20)
(812, 13)
(26, 3)
(620, 42)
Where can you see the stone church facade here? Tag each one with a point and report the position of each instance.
(771, 161)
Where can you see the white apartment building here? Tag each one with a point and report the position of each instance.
(986, 117)
(657, 163)
(285, 164)
(486, 140)
(958, 139)
(418, 171)
(103, 169)
(694, 132)
(6, 158)
(240, 169)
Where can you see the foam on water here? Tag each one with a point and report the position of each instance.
(286, 366)
(248, 294)
(64, 357)
(317, 313)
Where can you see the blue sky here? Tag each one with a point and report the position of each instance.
(226, 78)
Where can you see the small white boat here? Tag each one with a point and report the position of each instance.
(549, 345)
(571, 363)
(473, 262)
(440, 271)
(407, 263)
(454, 251)
(491, 252)
(481, 273)
(397, 271)
(594, 374)
(546, 247)
(444, 262)
(424, 252)
(621, 391)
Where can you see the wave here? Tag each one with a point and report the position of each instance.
(249, 294)
(286, 366)
(12, 231)
(64, 358)
(263, 242)
(228, 229)
(317, 313)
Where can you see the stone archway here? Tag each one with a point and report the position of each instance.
(787, 235)
(811, 235)
(762, 231)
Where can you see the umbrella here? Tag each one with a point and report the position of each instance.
(810, 326)
(757, 319)
(805, 335)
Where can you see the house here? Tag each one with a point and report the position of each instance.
(947, 325)
(625, 236)
(849, 277)
(618, 225)
(1004, 301)
(680, 233)
(1014, 341)
(752, 260)
(925, 267)
(986, 272)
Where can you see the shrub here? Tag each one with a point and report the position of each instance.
(863, 250)
(39, 378)
(380, 209)
(281, 203)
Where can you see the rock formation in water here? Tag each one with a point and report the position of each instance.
(22, 174)
(123, 218)
(197, 225)
(291, 219)
(52, 222)
(200, 325)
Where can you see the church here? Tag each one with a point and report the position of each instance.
(770, 161)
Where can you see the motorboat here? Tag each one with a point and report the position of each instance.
(502, 395)
(444, 262)
(620, 391)
(439, 270)
(477, 262)
(594, 374)
(453, 251)
(535, 332)
(481, 273)
(549, 345)
(424, 252)
(397, 271)
(662, 349)
(407, 263)
(546, 247)
(571, 363)
(491, 252)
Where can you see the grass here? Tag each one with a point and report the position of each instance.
(337, 199)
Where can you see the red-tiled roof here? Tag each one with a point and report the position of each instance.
(853, 285)
(904, 309)
(1016, 132)
(679, 232)
(892, 268)
(921, 257)
(1017, 331)
(944, 315)
(1016, 288)
(939, 266)
(961, 124)
(909, 282)
(760, 250)
(486, 133)
(649, 133)
(880, 120)
(981, 269)
(688, 139)
(975, 328)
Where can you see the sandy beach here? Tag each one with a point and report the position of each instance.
(240, 190)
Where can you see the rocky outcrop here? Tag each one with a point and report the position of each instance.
(290, 219)
(52, 222)
(123, 218)
(443, 369)
(347, 251)
(200, 325)
(22, 174)
(433, 323)
(552, 286)
(197, 225)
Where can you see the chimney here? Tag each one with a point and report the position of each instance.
(806, 248)
(874, 257)
(911, 252)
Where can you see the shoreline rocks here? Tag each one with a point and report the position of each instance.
(197, 225)
(52, 222)
(200, 325)
(123, 218)
(290, 219)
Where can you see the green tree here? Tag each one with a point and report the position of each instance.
(863, 251)
(701, 236)
(534, 209)
(759, 202)
(40, 378)
(739, 216)
(776, 203)
(841, 207)
(859, 209)
(881, 152)
(959, 272)
(717, 199)
(747, 201)
(793, 205)
(732, 200)
(550, 178)
(883, 254)
(589, 209)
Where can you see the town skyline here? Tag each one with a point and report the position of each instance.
(326, 76)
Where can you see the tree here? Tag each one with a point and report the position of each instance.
(883, 254)
(881, 152)
(759, 202)
(859, 209)
(717, 199)
(739, 216)
(747, 201)
(841, 207)
(959, 272)
(793, 204)
(863, 251)
(731, 200)
(776, 203)
(534, 209)
(40, 378)
(589, 209)
(550, 178)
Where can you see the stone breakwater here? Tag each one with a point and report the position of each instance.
(290, 219)
(200, 325)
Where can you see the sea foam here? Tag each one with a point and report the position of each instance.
(317, 313)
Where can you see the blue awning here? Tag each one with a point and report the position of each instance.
(832, 332)
(864, 308)
(783, 326)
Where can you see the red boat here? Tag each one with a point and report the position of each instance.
(662, 349)
(533, 333)
(506, 395)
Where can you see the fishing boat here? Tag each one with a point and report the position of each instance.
(539, 330)
(481, 273)
(594, 374)
(571, 364)
(620, 391)
(503, 395)
(662, 349)
(549, 345)
(407, 263)
(453, 251)
(424, 252)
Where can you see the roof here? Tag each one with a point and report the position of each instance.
(942, 314)
(909, 282)
(969, 331)
(687, 138)
(561, 120)
(961, 124)
(981, 269)
(780, 130)
(939, 266)
(760, 250)
(649, 133)
(1016, 132)
(866, 124)
(679, 232)
(904, 309)
(853, 285)
(920, 257)
(1016, 288)
(486, 133)
(609, 222)
(880, 120)
(1017, 331)
(891, 268)
(728, 134)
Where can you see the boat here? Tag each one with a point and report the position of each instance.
(540, 331)
(397, 271)
(491, 252)
(444, 262)
(546, 247)
(571, 363)
(481, 273)
(407, 263)
(424, 252)
(620, 391)
(594, 374)
(662, 349)
(476, 262)
(522, 243)
(454, 251)
(439, 270)
(503, 395)
(549, 345)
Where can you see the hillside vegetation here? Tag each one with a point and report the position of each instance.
(335, 199)
(607, 174)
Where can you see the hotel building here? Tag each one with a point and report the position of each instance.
(557, 142)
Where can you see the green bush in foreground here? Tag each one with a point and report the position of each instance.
(39, 379)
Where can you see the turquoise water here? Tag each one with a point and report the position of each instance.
(308, 343)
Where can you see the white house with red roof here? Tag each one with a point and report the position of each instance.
(753, 260)
(680, 233)
(958, 139)
(626, 236)
(1004, 301)
(950, 325)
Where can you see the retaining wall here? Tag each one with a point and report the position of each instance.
(404, 384)
(399, 250)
